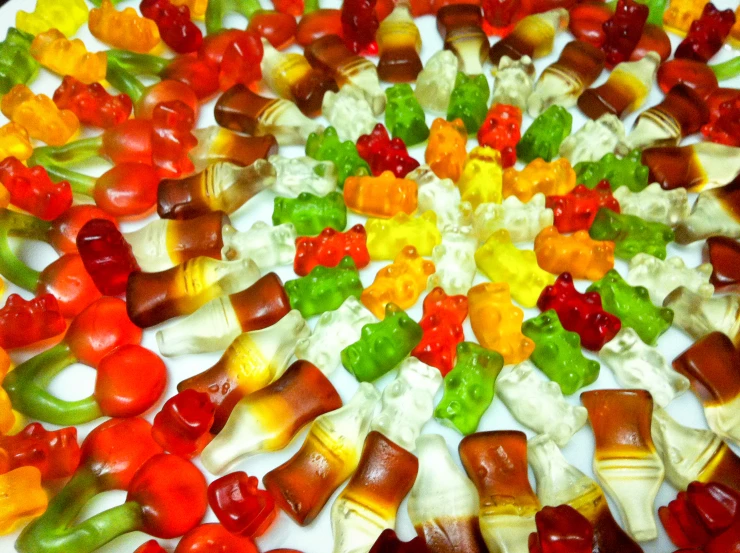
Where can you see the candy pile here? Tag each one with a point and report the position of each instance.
(584, 197)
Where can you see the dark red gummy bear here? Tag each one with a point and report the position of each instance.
(577, 209)
(385, 154)
(240, 506)
(623, 31)
(107, 256)
(23, 323)
(561, 529)
(706, 34)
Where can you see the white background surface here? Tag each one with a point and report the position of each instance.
(78, 381)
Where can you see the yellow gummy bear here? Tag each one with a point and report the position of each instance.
(15, 142)
(387, 237)
(69, 57)
(65, 15)
(482, 177)
(21, 497)
(39, 115)
(497, 322)
(501, 261)
(401, 282)
(125, 29)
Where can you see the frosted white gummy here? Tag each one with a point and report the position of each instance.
(77, 382)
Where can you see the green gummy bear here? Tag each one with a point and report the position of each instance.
(631, 234)
(632, 305)
(324, 288)
(469, 387)
(310, 214)
(628, 171)
(545, 135)
(326, 146)
(469, 101)
(17, 65)
(404, 116)
(557, 353)
(382, 345)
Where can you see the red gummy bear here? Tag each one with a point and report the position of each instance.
(174, 24)
(385, 154)
(23, 323)
(580, 313)
(240, 506)
(182, 426)
(706, 34)
(92, 104)
(577, 209)
(31, 189)
(359, 25)
(171, 138)
(724, 128)
(501, 130)
(54, 452)
(329, 248)
(442, 326)
(705, 518)
(107, 256)
(561, 529)
(623, 30)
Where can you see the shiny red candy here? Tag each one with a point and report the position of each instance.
(171, 493)
(706, 34)
(704, 517)
(92, 104)
(501, 130)
(577, 209)
(64, 229)
(442, 326)
(127, 189)
(130, 380)
(107, 256)
(725, 128)
(388, 542)
(240, 506)
(54, 452)
(172, 139)
(561, 529)
(359, 25)
(580, 313)
(68, 281)
(214, 538)
(587, 22)
(23, 323)
(291, 7)
(329, 248)
(277, 28)
(622, 31)
(199, 75)
(694, 74)
(182, 426)
(31, 189)
(174, 24)
(384, 153)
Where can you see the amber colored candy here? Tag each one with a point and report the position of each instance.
(497, 322)
(695, 167)
(554, 178)
(164, 243)
(21, 498)
(681, 113)
(694, 74)
(624, 91)
(242, 110)
(577, 254)
(681, 14)
(370, 500)
(496, 462)
(625, 461)
(330, 55)
(653, 39)
(381, 196)
(399, 44)
(317, 24)
(712, 365)
(446, 150)
(220, 187)
(217, 144)
(724, 255)
(152, 298)
(460, 26)
(533, 36)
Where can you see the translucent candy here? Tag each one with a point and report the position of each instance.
(698, 316)
(348, 112)
(670, 207)
(454, 262)
(303, 174)
(435, 82)
(662, 277)
(268, 246)
(594, 140)
(523, 220)
(514, 81)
